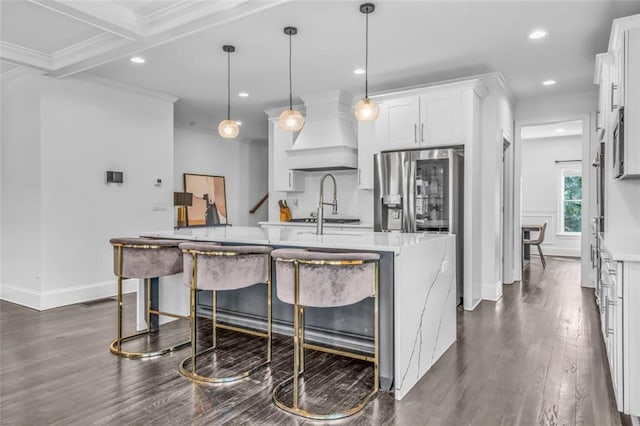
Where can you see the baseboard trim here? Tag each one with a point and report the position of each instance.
(63, 296)
(20, 296)
(492, 292)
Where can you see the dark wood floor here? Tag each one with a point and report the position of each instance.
(533, 358)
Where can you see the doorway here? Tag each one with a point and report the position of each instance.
(551, 189)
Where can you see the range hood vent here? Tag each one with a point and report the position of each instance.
(327, 141)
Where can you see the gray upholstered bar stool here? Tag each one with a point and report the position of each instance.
(144, 258)
(219, 268)
(324, 280)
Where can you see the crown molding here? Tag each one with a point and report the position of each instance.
(20, 55)
(618, 27)
(97, 45)
(13, 73)
(105, 15)
(127, 87)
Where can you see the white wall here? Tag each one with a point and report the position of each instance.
(244, 165)
(352, 202)
(85, 128)
(21, 204)
(580, 106)
(496, 124)
(541, 189)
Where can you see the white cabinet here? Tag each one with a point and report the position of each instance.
(431, 118)
(619, 289)
(399, 122)
(367, 147)
(618, 75)
(440, 122)
(284, 179)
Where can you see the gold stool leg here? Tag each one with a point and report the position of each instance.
(301, 345)
(193, 375)
(298, 358)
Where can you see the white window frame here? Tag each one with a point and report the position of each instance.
(569, 169)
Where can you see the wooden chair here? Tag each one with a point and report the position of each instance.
(537, 242)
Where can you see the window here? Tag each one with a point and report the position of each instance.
(571, 200)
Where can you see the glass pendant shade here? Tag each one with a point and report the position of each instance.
(291, 120)
(228, 129)
(367, 110)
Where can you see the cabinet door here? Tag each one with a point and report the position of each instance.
(399, 123)
(440, 122)
(367, 147)
(284, 179)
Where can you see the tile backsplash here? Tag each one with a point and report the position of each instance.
(352, 202)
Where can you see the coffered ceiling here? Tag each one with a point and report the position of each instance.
(411, 42)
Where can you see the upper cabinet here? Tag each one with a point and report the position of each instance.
(284, 179)
(428, 119)
(618, 75)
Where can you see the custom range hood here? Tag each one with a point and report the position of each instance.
(328, 140)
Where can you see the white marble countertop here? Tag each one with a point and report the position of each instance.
(368, 226)
(286, 236)
(623, 247)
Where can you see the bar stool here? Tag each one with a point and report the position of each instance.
(219, 268)
(144, 258)
(323, 279)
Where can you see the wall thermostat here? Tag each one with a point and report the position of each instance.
(114, 177)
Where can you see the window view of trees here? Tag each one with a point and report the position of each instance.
(572, 203)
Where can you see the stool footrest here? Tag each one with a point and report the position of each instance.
(242, 330)
(197, 377)
(129, 354)
(317, 416)
(168, 314)
(338, 352)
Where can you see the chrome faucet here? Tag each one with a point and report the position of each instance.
(321, 204)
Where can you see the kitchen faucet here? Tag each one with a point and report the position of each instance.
(321, 204)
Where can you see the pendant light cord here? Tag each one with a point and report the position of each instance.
(228, 85)
(366, 58)
(290, 85)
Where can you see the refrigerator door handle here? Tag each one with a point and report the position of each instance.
(410, 208)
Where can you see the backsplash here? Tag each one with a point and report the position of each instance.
(352, 202)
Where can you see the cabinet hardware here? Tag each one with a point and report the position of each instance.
(290, 178)
(422, 132)
(415, 133)
(359, 176)
(606, 314)
(613, 87)
(598, 121)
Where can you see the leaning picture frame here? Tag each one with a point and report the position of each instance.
(209, 207)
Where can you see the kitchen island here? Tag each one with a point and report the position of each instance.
(417, 296)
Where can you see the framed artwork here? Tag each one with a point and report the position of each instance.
(209, 206)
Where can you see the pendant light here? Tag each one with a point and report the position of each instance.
(291, 119)
(366, 109)
(228, 128)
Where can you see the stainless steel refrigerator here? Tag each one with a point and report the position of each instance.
(421, 190)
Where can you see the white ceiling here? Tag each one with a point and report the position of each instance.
(411, 42)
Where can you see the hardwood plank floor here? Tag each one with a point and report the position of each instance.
(533, 358)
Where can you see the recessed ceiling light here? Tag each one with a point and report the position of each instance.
(537, 34)
(359, 71)
(243, 94)
(560, 130)
(137, 60)
(239, 123)
(549, 82)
